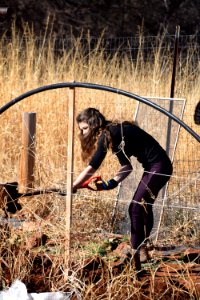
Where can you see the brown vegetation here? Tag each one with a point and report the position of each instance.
(34, 252)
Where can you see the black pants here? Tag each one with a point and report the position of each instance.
(141, 207)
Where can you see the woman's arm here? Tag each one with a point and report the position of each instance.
(83, 176)
(123, 173)
(89, 171)
(113, 183)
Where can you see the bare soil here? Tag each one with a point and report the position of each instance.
(172, 270)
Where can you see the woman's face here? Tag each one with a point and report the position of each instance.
(84, 128)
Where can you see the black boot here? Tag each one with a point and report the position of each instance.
(137, 263)
(136, 258)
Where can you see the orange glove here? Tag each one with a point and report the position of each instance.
(90, 180)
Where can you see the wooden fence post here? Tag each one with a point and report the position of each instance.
(27, 161)
(70, 159)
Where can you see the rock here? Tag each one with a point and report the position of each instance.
(122, 251)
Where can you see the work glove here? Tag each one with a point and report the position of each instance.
(102, 185)
(89, 184)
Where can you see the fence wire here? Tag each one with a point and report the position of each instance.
(183, 192)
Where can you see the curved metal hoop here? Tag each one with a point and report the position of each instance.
(103, 88)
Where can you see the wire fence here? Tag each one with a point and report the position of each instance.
(123, 44)
(131, 46)
(183, 193)
(143, 46)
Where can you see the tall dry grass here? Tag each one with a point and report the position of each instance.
(26, 64)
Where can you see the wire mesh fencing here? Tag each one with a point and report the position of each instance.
(182, 191)
(181, 198)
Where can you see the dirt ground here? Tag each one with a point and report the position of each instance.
(172, 273)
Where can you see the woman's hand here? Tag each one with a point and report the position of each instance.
(103, 185)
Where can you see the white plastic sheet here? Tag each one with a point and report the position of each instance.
(18, 291)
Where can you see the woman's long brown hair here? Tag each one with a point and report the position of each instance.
(97, 124)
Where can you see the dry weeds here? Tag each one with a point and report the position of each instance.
(34, 253)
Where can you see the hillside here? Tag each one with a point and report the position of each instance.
(116, 18)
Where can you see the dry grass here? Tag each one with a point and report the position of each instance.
(24, 66)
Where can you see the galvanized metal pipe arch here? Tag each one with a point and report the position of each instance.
(103, 88)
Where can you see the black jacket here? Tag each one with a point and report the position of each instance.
(137, 143)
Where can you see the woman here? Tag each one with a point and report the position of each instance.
(197, 114)
(125, 139)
